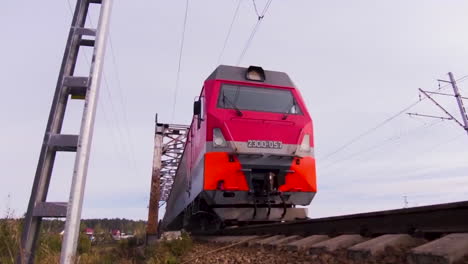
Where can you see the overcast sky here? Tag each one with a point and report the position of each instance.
(356, 64)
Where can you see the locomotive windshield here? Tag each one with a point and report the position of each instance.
(240, 97)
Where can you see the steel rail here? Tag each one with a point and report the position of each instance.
(423, 220)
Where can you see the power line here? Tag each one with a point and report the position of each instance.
(383, 143)
(252, 34)
(429, 150)
(381, 124)
(456, 94)
(255, 7)
(123, 104)
(446, 142)
(461, 79)
(70, 7)
(107, 125)
(367, 132)
(255, 29)
(234, 17)
(425, 151)
(180, 60)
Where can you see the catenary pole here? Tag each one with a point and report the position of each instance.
(72, 226)
(459, 101)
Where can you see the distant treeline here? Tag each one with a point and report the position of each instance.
(99, 225)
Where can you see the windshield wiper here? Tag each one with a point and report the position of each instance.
(293, 104)
(225, 98)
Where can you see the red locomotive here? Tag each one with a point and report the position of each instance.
(249, 154)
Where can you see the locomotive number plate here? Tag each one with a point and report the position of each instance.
(264, 144)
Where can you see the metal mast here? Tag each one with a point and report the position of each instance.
(76, 87)
(458, 97)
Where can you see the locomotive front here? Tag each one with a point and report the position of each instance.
(259, 161)
(250, 151)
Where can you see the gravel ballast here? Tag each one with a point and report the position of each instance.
(200, 253)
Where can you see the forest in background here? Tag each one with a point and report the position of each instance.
(104, 225)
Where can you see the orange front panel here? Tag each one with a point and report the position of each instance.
(219, 168)
(304, 177)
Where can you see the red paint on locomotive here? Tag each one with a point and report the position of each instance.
(219, 169)
(303, 179)
(250, 145)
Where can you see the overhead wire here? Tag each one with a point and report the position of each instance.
(123, 104)
(234, 17)
(181, 49)
(254, 30)
(372, 129)
(461, 79)
(391, 140)
(381, 124)
(394, 170)
(445, 142)
(382, 144)
(255, 7)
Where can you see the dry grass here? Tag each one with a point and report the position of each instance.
(10, 234)
(130, 251)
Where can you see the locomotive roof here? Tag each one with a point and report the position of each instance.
(225, 72)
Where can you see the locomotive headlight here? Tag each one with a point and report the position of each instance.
(255, 73)
(218, 139)
(305, 144)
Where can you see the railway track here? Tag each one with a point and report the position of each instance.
(426, 234)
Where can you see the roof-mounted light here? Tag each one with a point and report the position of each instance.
(255, 73)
